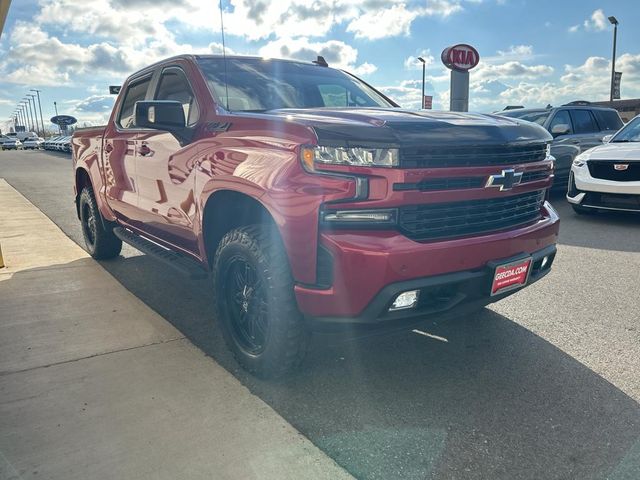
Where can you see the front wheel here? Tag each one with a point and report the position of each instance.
(255, 303)
(99, 238)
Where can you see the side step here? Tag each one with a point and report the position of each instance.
(180, 262)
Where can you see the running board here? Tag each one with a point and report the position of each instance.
(183, 264)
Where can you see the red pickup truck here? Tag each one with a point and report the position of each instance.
(312, 200)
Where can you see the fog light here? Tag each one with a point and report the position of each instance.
(405, 300)
(545, 260)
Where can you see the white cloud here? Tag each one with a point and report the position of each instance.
(597, 22)
(389, 22)
(337, 54)
(587, 81)
(517, 51)
(412, 62)
(510, 69)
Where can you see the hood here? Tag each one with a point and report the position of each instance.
(615, 151)
(406, 128)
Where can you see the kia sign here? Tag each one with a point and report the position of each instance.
(63, 120)
(460, 57)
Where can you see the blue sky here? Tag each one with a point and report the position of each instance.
(532, 52)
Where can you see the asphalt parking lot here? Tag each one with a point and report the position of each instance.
(542, 385)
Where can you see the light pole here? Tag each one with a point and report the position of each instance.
(26, 99)
(35, 113)
(424, 67)
(55, 105)
(614, 21)
(39, 108)
(26, 115)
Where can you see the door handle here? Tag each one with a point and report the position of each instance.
(108, 148)
(144, 150)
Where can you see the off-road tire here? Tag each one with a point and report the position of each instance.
(99, 239)
(286, 339)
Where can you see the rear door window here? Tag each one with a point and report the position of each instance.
(583, 121)
(136, 92)
(608, 119)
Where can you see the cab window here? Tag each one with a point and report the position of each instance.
(174, 86)
(136, 92)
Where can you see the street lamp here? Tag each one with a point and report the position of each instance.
(614, 21)
(35, 113)
(39, 107)
(26, 99)
(25, 113)
(424, 66)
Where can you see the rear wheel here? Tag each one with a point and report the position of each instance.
(99, 239)
(255, 303)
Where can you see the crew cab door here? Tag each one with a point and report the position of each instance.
(164, 170)
(119, 152)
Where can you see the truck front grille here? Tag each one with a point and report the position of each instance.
(605, 170)
(474, 156)
(457, 219)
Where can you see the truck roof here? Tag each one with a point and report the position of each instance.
(195, 57)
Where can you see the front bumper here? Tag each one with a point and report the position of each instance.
(371, 268)
(589, 192)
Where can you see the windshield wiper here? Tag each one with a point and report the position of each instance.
(620, 141)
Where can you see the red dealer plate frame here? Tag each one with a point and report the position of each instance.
(511, 275)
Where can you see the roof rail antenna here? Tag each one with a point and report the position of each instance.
(224, 58)
(321, 61)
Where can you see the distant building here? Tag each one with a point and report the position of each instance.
(626, 108)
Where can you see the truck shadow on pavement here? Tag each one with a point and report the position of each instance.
(492, 401)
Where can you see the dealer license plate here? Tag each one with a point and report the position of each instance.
(510, 275)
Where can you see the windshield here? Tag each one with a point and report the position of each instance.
(629, 133)
(539, 116)
(255, 84)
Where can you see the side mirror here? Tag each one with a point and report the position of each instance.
(607, 138)
(560, 129)
(163, 115)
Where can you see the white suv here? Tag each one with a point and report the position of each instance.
(607, 177)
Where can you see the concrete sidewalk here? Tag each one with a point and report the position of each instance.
(96, 385)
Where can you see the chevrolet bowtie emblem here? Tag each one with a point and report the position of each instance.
(506, 180)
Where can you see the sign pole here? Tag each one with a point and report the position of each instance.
(55, 105)
(613, 61)
(459, 98)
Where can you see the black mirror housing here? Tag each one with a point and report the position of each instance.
(163, 115)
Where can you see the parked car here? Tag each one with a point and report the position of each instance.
(50, 144)
(313, 200)
(65, 144)
(32, 143)
(21, 135)
(607, 177)
(57, 144)
(12, 144)
(575, 127)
